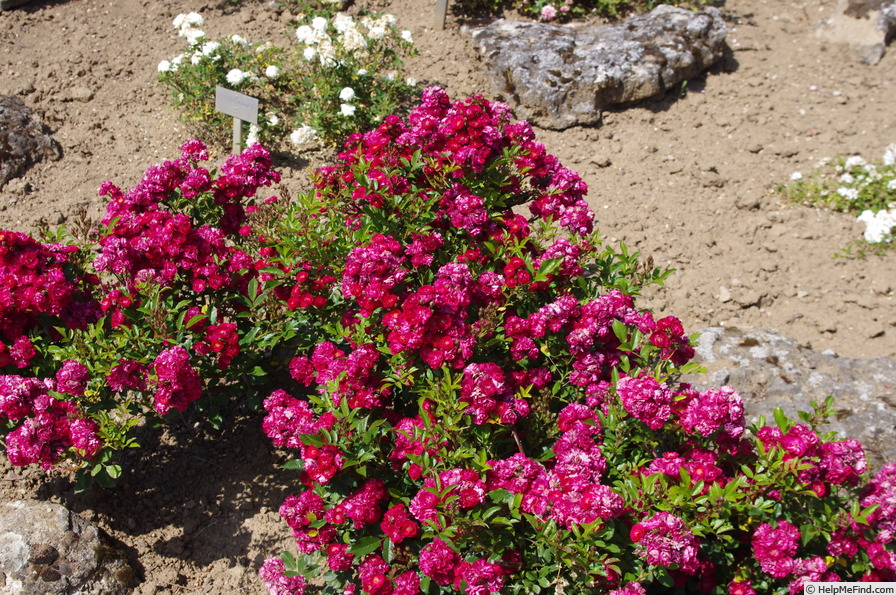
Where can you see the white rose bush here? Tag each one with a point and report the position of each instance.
(335, 76)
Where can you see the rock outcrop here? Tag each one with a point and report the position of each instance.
(23, 141)
(770, 370)
(865, 25)
(560, 76)
(46, 549)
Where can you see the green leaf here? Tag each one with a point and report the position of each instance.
(781, 419)
(364, 546)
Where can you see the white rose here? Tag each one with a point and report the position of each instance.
(347, 110)
(236, 76)
(319, 24)
(195, 59)
(193, 35)
(164, 66)
(343, 22)
(272, 72)
(186, 21)
(238, 39)
(305, 34)
(352, 40)
(406, 35)
(347, 94)
(209, 48)
(302, 135)
(309, 54)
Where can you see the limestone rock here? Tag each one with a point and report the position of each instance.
(770, 370)
(22, 140)
(865, 25)
(560, 76)
(46, 549)
(886, 21)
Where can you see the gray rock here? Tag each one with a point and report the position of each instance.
(886, 21)
(46, 549)
(770, 370)
(866, 25)
(23, 141)
(561, 76)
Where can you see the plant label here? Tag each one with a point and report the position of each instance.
(441, 12)
(235, 104)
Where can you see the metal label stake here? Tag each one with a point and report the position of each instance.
(243, 109)
(441, 13)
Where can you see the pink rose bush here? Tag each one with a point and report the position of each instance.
(505, 417)
(452, 360)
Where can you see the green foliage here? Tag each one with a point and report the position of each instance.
(853, 185)
(341, 75)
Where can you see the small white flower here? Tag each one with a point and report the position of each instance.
(890, 155)
(177, 61)
(891, 185)
(303, 135)
(305, 34)
(347, 94)
(388, 19)
(272, 72)
(252, 137)
(376, 32)
(848, 193)
(309, 54)
(406, 35)
(347, 110)
(164, 66)
(854, 161)
(238, 39)
(796, 176)
(847, 179)
(362, 72)
(236, 76)
(195, 59)
(319, 24)
(411, 82)
(389, 76)
(273, 120)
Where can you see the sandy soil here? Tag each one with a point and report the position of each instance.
(688, 180)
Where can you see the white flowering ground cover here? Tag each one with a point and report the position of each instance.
(689, 181)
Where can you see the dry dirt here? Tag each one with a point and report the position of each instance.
(687, 179)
